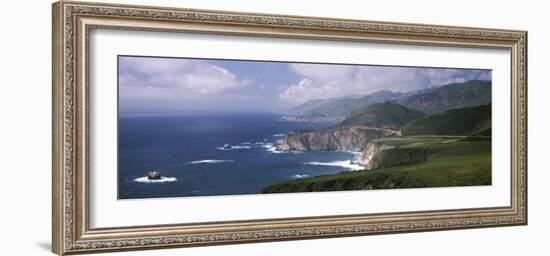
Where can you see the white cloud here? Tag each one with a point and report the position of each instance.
(307, 88)
(322, 72)
(154, 66)
(135, 88)
(173, 78)
(321, 81)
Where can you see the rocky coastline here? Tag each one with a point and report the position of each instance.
(373, 148)
(351, 138)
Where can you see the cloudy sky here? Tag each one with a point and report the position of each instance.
(170, 85)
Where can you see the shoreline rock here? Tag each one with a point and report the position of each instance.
(154, 175)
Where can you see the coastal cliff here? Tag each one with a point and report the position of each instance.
(350, 138)
(406, 162)
(372, 149)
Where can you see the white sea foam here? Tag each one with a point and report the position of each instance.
(300, 176)
(240, 147)
(357, 154)
(161, 180)
(271, 148)
(210, 161)
(255, 143)
(279, 135)
(344, 164)
(234, 147)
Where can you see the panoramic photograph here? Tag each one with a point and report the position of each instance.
(212, 127)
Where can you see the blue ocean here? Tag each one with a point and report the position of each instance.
(188, 152)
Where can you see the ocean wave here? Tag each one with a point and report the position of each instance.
(161, 180)
(300, 176)
(271, 148)
(234, 147)
(253, 143)
(279, 135)
(357, 154)
(210, 161)
(345, 164)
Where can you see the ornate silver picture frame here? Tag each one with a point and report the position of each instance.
(72, 208)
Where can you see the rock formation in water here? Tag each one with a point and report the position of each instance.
(154, 175)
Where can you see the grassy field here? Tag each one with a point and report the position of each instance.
(450, 161)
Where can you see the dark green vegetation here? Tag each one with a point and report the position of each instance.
(382, 115)
(448, 162)
(463, 121)
(399, 156)
(458, 95)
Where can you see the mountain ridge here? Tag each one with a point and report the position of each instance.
(450, 96)
(339, 108)
(428, 100)
(385, 115)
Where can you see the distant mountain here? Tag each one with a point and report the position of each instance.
(462, 121)
(341, 107)
(385, 115)
(456, 95)
(429, 101)
(308, 105)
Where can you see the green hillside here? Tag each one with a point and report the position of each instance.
(448, 162)
(462, 121)
(451, 96)
(382, 115)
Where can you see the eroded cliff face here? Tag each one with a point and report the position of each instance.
(372, 149)
(352, 138)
